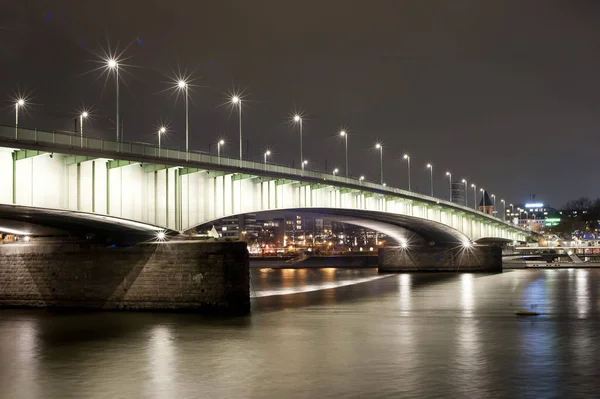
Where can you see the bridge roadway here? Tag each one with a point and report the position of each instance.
(179, 190)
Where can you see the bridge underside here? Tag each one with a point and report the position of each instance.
(401, 228)
(22, 220)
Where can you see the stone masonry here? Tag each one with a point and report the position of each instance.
(208, 277)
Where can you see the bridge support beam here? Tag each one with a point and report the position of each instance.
(433, 259)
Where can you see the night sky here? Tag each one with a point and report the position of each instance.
(503, 93)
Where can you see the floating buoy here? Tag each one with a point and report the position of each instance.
(522, 312)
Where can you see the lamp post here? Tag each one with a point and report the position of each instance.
(503, 209)
(20, 103)
(360, 180)
(83, 116)
(407, 157)
(335, 171)
(219, 144)
(112, 64)
(450, 183)
(493, 202)
(379, 147)
(512, 210)
(298, 119)
(474, 186)
(466, 192)
(482, 199)
(267, 153)
(183, 85)
(345, 136)
(237, 101)
(304, 163)
(430, 167)
(162, 130)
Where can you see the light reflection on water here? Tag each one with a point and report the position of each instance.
(325, 333)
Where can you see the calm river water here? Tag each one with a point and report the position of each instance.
(326, 333)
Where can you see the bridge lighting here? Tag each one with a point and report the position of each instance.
(26, 238)
(345, 136)
(474, 186)
(466, 244)
(113, 65)
(18, 104)
(407, 158)
(335, 171)
(450, 183)
(482, 198)
(298, 119)
(360, 180)
(430, 167)
(493, 201)
(403, 244)
(161, 130)
(379, 147)
(220, 143)
(503, 209)
(161, 236)
(236, 101)
(304, 163)
(267, 153)
(82, 116)
(466, 193)
(183, 85)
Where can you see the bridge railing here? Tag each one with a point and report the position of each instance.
(12, 133)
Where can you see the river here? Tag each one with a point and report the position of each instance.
(322, 333)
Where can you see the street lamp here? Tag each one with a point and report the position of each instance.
(298, 120)
(379, 147)
(183, 86)
(219, 144)
(360, 180)
(482, 199)
(466, 192)
(474, 186)
(162, 130)
(20, 103)
(503, 209)
(112, 64)
(430, 167)
(304, 163)
(83, 116)
(267, 153)
(493, 202)
(335, 171)
(345, 136)
(407, 157)
(237, 101)
(450, 183)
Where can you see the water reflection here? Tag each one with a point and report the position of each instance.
(466, 293)
(405, 293)
(339, 333)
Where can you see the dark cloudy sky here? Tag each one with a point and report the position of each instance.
(503, 93)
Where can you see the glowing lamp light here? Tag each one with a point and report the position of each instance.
(378, 145)
(405, 156)
(84, 114)
(362, 178)
(429, 165)
(297, 118)
(343, 133)
(404, 244)
(336, 171)
(20, 102)
(221, 142)
(269, 153)
(26, 238)
(235, 99)
(161, 235)
(162, 129)
(112, 63)
(181, 84)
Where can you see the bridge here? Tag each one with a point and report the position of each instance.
(178, 190)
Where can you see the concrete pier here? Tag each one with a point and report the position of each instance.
(461, 259)
(207, 277)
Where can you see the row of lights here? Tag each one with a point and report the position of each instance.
(112, 64)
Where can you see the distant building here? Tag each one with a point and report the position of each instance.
(486, 205)
(458, 193)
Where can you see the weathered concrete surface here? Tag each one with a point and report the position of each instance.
(209, 277)
(471, 259)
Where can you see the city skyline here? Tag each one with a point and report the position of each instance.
(402, 107)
